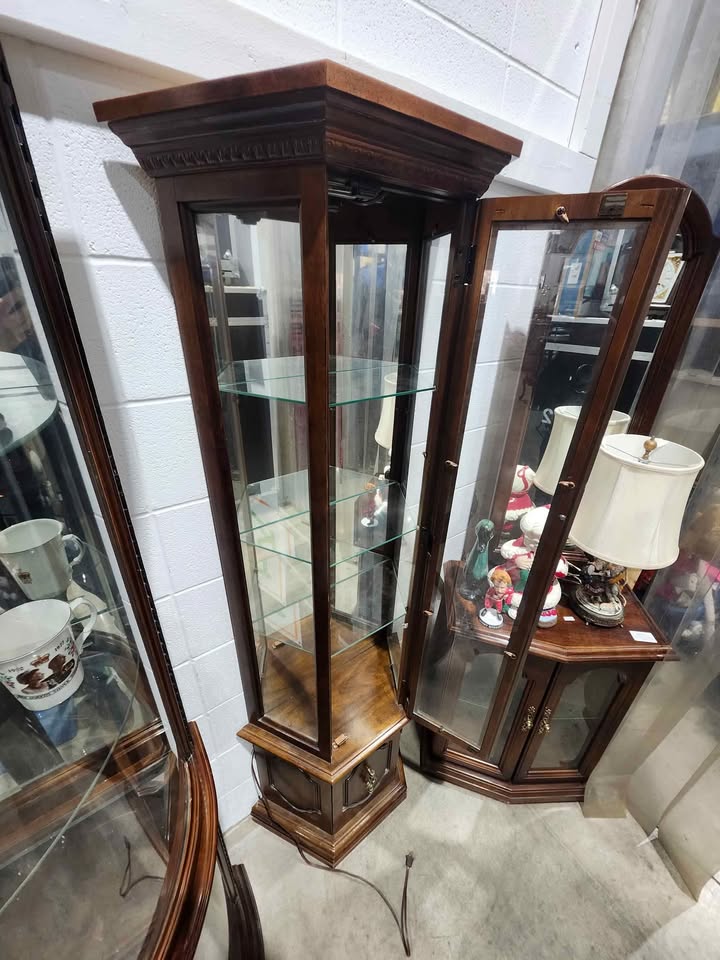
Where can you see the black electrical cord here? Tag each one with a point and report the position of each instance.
(127, 882)
(401, 922)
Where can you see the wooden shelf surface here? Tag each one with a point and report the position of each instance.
(568, 641)
(365, 707)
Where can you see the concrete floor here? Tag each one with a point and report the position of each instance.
(490, 881)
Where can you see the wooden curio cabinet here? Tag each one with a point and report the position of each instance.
(367, 345)
(108, 815)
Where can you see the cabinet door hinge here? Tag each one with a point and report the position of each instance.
(466, 265)
(470, 263)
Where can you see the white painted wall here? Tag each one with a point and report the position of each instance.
(522, 65)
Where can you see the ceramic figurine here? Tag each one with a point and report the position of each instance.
(371, 501)
(476, 566)
(519, 555)
(598, 599)
(499, 594)
(520, 501)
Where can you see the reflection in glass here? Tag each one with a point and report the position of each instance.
(251, 264)
(551, 293)
(582, 705)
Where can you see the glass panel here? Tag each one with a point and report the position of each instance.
(582, 705)
(252, 267)
(98, 888)
(377, 516)
(76, 708)
(502, 738)
(684, 597)
(383, 438)
(531, 378)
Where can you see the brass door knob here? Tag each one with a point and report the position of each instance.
(545, 721)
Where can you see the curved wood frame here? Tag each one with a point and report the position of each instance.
(182, 905)
(700, 251)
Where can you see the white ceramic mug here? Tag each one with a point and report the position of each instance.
(39, 653)
(34, 553)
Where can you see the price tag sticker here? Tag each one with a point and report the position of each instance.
(642, 636)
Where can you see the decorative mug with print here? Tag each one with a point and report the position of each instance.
(39, 653)
(34, 553)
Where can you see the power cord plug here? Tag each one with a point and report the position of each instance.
(401, 922)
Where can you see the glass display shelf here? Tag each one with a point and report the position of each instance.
(111, 701)
(285, 497)
(352, 379)
(279, 589)
(357, 526)
(91, 579)
(360, 605)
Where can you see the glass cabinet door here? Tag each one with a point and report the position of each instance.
(251, 265)
(381, 440)
(90, 797)
(567, 729)
(581, 712)
(534, 408)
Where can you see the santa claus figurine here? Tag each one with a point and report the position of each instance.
(520, 502)
(519, 555)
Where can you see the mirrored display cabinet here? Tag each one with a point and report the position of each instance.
(108, 818)
(372, 351)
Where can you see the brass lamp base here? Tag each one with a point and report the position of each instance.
(598, 596)
(608, 612)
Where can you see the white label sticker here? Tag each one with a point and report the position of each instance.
(642, 636)
(573, 274)
(569, 619)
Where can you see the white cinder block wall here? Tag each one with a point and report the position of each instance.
(532, 67)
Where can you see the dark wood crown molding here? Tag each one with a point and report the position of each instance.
(304, 76)
(312, 112)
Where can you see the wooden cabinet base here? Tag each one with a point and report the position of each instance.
(329, 806)
(337, 819)
(441, 761)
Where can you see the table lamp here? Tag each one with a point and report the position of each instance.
(384, 431)
(629, 516)
(564, 422)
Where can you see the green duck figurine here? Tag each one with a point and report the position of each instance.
(475, 583)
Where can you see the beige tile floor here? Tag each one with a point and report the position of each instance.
(490, 881)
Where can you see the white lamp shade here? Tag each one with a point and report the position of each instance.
(631, 510)
(384, 431)
(566, 418)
